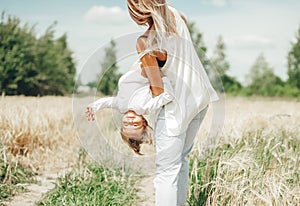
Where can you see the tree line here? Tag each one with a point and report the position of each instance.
(260, 80)
(32, 65)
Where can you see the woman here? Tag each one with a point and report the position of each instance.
(166, 46)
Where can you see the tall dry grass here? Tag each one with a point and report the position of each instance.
(257, 160)
(38, 132)
(255, 163)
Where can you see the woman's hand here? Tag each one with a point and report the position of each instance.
(90, 116)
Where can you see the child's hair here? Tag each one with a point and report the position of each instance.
(145, 138)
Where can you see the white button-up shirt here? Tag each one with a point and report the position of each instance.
(192, 88)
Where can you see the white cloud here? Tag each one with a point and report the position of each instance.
(106, 15)
(219, 3)
(216, 3)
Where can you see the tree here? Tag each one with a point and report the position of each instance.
(57, 70)
(262, 80)
(31, 65)
(294, 63)
(17, 56)
(109, 77)
(230, 84)
(219, 57)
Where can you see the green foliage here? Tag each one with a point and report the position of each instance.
(231, 85)
(294, 62)
(31, 65)
(92, 84)
(92, 185)
(288, 90)
(55, 63)
(109, 77)
(12, 175)
(263, 81)
(205, 172)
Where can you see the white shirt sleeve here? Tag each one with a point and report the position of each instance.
(105, 102)
(157, 102)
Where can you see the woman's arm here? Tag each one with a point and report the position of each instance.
(150, 68)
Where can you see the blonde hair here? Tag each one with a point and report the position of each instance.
(145, 138)
(155, 14)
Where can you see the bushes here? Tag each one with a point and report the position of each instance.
(33, 66)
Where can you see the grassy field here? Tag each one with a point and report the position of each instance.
(37, 134)
(256, 161)
(93, 185)
(12, 176)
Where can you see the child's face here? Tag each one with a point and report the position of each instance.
(133, 125)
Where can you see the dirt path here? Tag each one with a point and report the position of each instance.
(99, 151)
(45, 182)
(146, 191)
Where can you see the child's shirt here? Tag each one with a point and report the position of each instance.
(134, 94)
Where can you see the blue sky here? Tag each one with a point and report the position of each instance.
(247, 27)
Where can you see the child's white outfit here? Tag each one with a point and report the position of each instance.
(134, 94)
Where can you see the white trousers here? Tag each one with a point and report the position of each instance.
(172, 163)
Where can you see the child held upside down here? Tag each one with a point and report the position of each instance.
(134, 99)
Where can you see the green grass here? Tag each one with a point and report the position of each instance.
(92, 184)
(257, 169)
(12, 175)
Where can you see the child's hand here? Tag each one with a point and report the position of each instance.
(89, 114)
